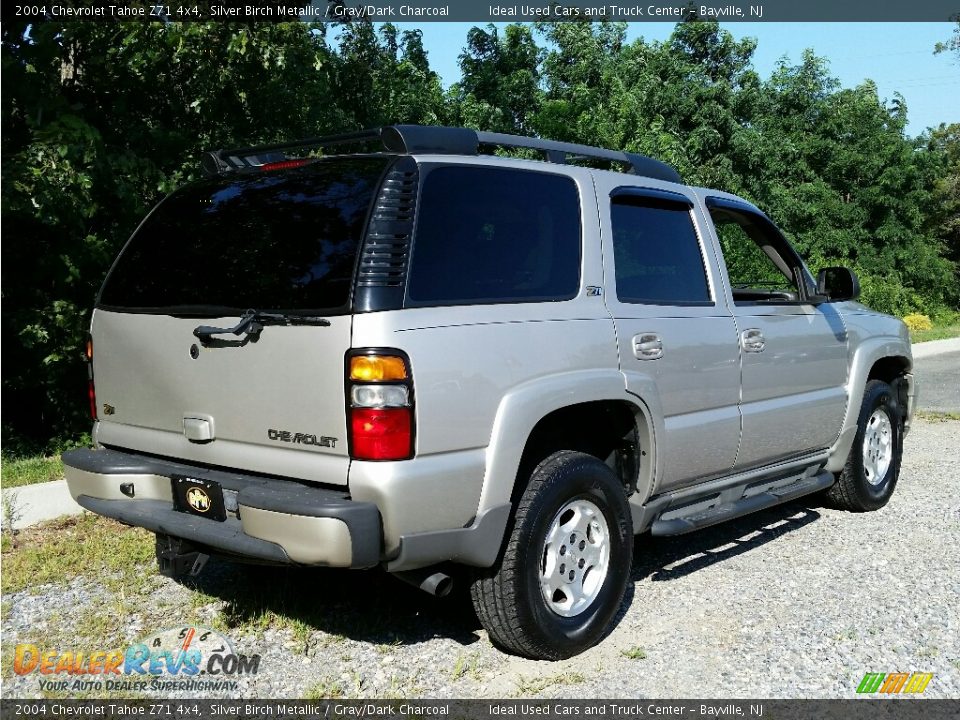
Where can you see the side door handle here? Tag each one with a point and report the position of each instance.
(647, 346)
(753, 340)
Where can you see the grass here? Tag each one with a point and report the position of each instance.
(385, 648)
(939, 332)
(848, 633)
(946, 324)
(90, 545)
(536, 685)
(937, 415)
(30, 470)
(11, 509)
(466, 665)
(326, 689)
(634, 653)
(104, 624)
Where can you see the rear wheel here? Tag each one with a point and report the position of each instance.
(565, 568)
(868, 479)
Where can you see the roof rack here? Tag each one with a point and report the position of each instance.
(408, 139)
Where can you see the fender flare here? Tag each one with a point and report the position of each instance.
(864, 358)
(525, 405)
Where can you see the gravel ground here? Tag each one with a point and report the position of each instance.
(799, 601)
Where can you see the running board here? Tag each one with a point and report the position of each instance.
(744, 506)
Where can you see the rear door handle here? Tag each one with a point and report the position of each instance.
(753, 340)
(647, 346)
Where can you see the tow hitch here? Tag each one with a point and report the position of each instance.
(176, 557)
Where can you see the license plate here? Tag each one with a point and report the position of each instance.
(198, 497)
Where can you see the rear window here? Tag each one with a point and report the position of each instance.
(283, 241)
(487, 235)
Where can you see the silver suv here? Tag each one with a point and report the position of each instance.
(448, 363)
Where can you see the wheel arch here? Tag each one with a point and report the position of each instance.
(616, 432)
(574, 411)
(882, 358)
(889, 368)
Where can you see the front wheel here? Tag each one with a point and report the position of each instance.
(873, 467)
(565, 568)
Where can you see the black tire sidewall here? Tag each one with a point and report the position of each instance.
(877, 395)
(587, 478)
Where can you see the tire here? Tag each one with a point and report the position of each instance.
(873, 467)
(569, 493)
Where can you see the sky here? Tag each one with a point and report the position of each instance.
(898, 57)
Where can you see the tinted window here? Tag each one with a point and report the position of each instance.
(270, 241)
(656, 252)
(495, 235)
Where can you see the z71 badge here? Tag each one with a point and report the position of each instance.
(301, 438)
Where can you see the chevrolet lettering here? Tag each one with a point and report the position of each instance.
(301, 438)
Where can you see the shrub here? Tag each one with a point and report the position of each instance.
(917, 322)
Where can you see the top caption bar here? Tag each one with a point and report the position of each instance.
(482, 11)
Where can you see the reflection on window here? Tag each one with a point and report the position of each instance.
(495, 235)
(657, 253)
(271, 241)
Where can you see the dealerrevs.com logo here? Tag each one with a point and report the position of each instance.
(895, 683)
(187, 658)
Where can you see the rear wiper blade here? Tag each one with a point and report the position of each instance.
(253, 322)
(265, 318)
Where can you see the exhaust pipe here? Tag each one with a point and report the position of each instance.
(430, 581)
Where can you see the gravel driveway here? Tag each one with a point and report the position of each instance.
(799, 601)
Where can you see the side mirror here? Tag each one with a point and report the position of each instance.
(838, 283)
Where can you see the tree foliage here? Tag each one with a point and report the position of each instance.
(950, 45)
(500, 87)
(102, 120)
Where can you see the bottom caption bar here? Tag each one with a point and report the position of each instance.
(483, 709)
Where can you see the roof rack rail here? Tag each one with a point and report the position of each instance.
(560, 152)
(406, 139)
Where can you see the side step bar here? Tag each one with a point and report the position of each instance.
(744, 506)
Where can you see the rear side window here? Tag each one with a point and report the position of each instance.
(487, 235)
(656, 252)
(284, 241)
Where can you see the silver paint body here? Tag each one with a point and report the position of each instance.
(484, 375)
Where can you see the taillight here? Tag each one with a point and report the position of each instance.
(91, 390)
(380, 405)
(381, 434)
(287, 164)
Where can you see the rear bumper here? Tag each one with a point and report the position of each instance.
(269, 520)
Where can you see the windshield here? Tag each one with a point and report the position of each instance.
(280, 241)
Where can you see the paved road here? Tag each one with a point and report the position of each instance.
(938, 375)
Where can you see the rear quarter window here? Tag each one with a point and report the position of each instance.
(488, 235)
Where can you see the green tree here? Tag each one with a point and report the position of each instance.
(499, 87)
(100, 121)
(951, 45)
(945, 215)
(835, 169)
(385, 78)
